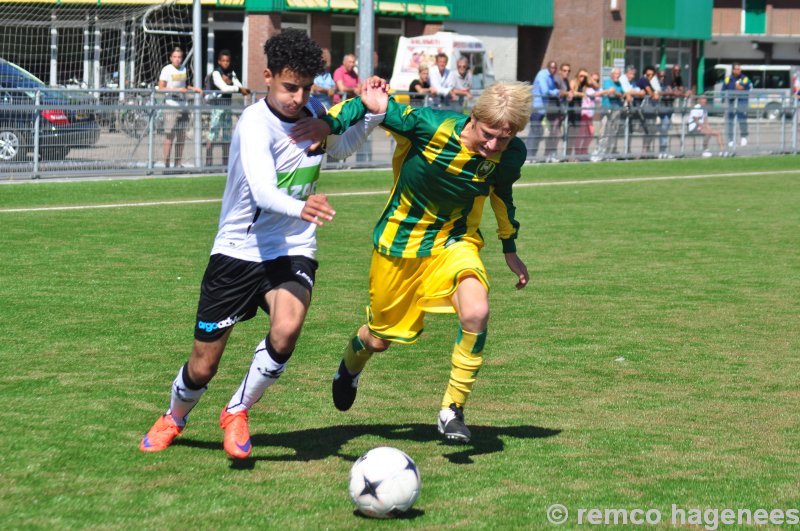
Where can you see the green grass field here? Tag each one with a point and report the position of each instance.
(652, 361)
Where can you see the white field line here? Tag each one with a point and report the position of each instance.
(383, 192)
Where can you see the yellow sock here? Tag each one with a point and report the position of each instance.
(466, 360)
(356, 355)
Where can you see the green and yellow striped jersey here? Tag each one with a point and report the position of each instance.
(439, 185)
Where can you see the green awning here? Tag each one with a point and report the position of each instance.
(205, 3)
(427, 9)
(669, 19)
(511, 12)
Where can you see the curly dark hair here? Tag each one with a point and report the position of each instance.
(292, 49)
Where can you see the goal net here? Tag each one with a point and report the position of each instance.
(86, 43)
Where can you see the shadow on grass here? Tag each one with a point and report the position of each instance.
(319, 443)
(410, 514)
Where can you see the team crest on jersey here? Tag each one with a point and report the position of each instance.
(484, 169)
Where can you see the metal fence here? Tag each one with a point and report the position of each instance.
(761, 123)
(62, 133)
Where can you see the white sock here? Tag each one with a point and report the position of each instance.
(183, 399)
(263, 372)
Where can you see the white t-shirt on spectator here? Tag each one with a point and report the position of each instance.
(442, 83)
(175, 78)
(697, 117)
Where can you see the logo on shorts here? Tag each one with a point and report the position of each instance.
(484, 169)
(304, 275)
(225, 323)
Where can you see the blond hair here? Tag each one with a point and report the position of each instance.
(505, 103)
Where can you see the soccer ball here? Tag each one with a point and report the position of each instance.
(384, 482)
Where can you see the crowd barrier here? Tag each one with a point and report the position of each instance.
(756, 124)
(80, 133)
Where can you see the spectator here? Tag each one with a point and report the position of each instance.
(225, 83)
(545, 91)
(347, 82)
(676, 80)
(578, 86)
(736, 85)
(324, 87)
(420, 87)
(172, 80)
(645, 103)
(555, 112)
(627, 83)
(614, 126)
(796, 93)
(462, 81)
(698, 124)
(796, 86)
(671, 89)
(590, 96)
(442, 80)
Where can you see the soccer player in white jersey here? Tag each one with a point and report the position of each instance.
(263, 254)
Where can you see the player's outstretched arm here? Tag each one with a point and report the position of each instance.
(517, 266)
(311, 129)
(374, 99)
(317, 209)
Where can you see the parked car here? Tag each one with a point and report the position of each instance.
(65, 121)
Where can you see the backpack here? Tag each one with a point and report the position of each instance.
(211, 95)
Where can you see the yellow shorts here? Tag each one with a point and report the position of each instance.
(402, 289)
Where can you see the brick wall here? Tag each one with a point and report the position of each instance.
(726, 17)
(579, 27)
(321, 29)
(261, 26)
(783, 17)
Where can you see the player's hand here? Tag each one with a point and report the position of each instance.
(245, 91)
(317, 209)
(518, 268)
(312, 130)
(375, 95)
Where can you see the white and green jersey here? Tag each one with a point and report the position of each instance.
(269, 179)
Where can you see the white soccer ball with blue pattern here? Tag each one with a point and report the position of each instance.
(384, 482)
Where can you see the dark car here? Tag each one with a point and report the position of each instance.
(65, 121)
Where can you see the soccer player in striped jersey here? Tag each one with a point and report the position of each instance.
(426, 242)
(263, 254)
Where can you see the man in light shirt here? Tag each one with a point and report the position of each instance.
(173, 81)
(462, 81)
(442, 81)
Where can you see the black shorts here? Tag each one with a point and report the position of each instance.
(233, 289)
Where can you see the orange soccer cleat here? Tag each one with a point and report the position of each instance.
(237, 434)
(160, 435)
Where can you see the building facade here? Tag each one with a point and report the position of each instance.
(755, 31)
(521, 36)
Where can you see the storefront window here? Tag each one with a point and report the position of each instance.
(296, 21)
(343, 38)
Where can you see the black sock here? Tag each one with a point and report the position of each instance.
(191, 384)
(275, 355)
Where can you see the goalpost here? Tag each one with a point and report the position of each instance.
(104, 47)
(91, 44)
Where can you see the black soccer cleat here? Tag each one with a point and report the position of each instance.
(344, 388)
(451, 425)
